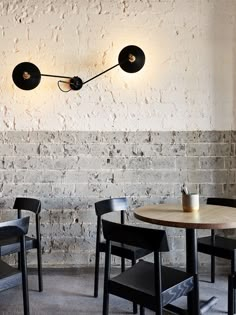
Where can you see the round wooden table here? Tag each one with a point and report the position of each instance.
(207, 217)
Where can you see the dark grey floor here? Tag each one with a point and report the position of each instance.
(70, 292)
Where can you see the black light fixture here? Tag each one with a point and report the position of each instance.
(27, 76)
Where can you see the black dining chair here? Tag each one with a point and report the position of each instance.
(10, 276)
(219, 246)
(150, 285)
(28, 205)
(132, 253)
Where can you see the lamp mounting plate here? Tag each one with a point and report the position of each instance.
(76, 83)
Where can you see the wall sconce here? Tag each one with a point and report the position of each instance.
(27, 76)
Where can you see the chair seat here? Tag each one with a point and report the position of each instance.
(125, 251)
(140, 278)
(14, 246)
(223, 247)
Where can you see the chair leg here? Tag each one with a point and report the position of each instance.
(213, 269)
(233, 272)
(234, 301)
(96, 273)
(24, 280)
(196, 295)
(122, 264)
(231, 294)
(135, 308)
(142, 310)
(19, 261)
(159, 311)
(40, 272)
(105, 309)
(25, 293)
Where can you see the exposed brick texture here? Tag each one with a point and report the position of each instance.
(69, 171)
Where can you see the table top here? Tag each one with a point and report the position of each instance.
(207, 217)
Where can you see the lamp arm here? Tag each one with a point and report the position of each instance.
(54, 76)
(59, 76)
(76, 83)
(100, 74)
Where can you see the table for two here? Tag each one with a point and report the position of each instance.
(208, 217)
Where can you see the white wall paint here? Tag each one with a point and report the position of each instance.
(188, 82)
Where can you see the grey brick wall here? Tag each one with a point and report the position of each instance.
(69, 171)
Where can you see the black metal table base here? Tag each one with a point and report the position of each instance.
(207, 305)
(204, 307)
(192, 268)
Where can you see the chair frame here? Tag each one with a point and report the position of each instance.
(34, 206)
(101, 208)
(220, 202)
(17, 228)
(218, 252)
(156, 241)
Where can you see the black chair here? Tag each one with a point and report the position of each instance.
(34, 206)
(124, 251)
(216, 245)
(220, 246)
(10, 276)
(151, 285)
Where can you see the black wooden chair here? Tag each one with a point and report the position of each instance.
(150, 285)
(10, 276)
(124, 251)
(33, 206)
(216, 245)
(220, 246)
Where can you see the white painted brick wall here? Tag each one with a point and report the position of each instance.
(187, 83)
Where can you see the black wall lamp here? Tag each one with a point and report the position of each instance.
(27, 76)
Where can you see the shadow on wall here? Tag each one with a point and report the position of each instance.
(222, 35)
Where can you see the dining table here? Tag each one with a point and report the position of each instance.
(207, 217)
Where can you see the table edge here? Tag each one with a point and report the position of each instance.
(187, 225)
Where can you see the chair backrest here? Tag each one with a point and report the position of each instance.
(110, 205)
(29, 204)
(107, 206)
(16, 228)
(152, 239)
(226, 202)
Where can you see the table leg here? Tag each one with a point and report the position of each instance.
(192, 267)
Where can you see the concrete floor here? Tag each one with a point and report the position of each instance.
(71, 292)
